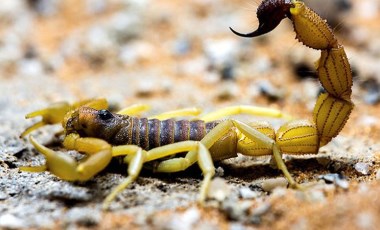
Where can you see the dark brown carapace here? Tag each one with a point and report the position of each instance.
(270, 13)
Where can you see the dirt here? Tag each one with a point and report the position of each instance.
(174, 55)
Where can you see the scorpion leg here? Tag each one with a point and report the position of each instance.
(198, 152)
(229, 111)
(138, 108)
(204, 158)
(266, 142)
(200, 155)
(99, 103)
(177, 113)
(135, 157)
(245, 109)
(134, 109)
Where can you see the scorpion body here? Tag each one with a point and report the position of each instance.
(102, 135)
(147, 133)
(118, 129)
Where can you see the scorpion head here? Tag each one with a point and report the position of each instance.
(89, 122)
(270, 13)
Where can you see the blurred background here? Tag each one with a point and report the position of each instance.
(135, 51)
(174, 54)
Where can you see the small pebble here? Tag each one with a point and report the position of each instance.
(363, 168)
(335, 178)
(258, 212)
(367, 120)
(30, 68)
(237, 210)
(182, 46)
(3, 195)
(185, 220)
(219, 189)
(268, 90)
(136, 51)
(221, 51)
(219, 172)
(124, 26)
(363, 189)
(324, 161)
(316, 196)
(228, 91)
(300, 223)
(378, 175)
(366, 220)
(45, 7)
(9, 221)
(227, 72)
(367, 9)
(303, 70)
(96, 6)
(335, 166)
(262, 64)
(237, 226)
(270, 184)
(82, 216)
(247, 193)
(372, 88)
(261, 209)
(372, 97)
(145, 88)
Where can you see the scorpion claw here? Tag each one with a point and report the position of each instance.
(59, 113)
(31, 128)
(53, 114)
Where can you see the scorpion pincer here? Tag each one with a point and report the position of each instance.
(93, 130)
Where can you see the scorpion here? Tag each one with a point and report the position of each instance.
(101, 135)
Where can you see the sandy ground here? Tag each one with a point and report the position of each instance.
(174, 55)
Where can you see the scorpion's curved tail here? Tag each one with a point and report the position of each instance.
(333, 108)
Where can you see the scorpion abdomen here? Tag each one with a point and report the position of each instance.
(154, 133)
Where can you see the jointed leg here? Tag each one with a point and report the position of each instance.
(245, 109)
(255, 135)
(135, 157)
(204, 158)
(177, 113)
(134, 168)
(200, 155)
(229, 111)
(134, 110)
(198, 152)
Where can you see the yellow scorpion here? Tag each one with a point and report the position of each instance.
(91, 129)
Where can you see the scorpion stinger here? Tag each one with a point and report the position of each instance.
(270, 14)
